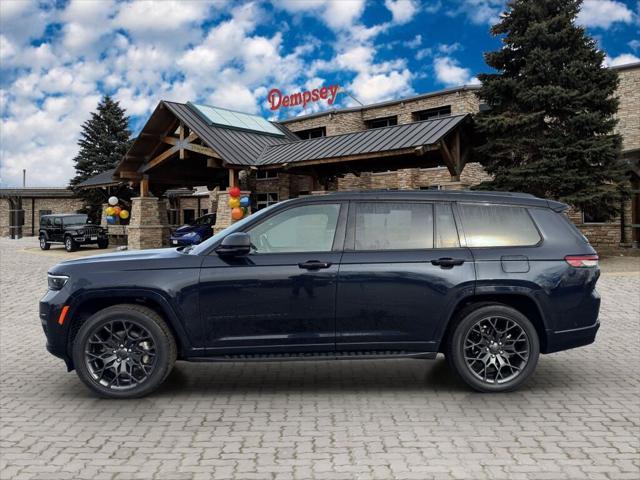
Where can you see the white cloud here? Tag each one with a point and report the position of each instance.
(338, 15)
(451, 74)
(144, 18)
(622, 59)
(480, 12)
(415, 42)
(603, 13)
(402, 11)
(634, 44)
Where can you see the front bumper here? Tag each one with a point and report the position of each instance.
(87, 239)
(49, 311)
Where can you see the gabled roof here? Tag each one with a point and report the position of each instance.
(37, 192)
(103, 179)
(387, 139)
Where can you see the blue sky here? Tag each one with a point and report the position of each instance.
(58, 57)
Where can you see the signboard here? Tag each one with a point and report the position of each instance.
(277, 99)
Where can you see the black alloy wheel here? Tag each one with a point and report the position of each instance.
(125, 351)
(102, 244)
(70, 245)
(44, 245)
(493, 348)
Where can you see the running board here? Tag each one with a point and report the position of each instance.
(289, 357)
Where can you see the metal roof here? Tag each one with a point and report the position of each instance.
(37, 192)
(236, 147)
(103, 179)
(387, 139)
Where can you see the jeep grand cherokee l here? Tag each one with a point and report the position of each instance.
(489, 279)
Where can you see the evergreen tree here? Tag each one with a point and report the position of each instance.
(549, 127)
(104, 140)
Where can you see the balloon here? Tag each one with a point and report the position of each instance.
(234, 192)
(124, 214)
(234, 202)
(113, 201)
(244, 202)
(237, 213)
(111, 219)
(109, 211)
(116, 211)
(245, 210)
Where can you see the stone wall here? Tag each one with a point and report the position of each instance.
(337, 122)
(32, 207)
(629, 107)
(148, 226)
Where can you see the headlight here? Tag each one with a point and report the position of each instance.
(80, 232)
(56, 282)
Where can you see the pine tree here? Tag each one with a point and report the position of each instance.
(549, 126)
(104, 140)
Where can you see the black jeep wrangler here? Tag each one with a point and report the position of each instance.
(72, 230)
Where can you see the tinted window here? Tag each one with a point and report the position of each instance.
(446, 232)
(308, 228)
(393, 226)
(497, 226)
(75, 220)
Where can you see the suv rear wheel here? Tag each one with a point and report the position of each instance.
(103, 243)
(124, 351)
(493, 348)
(44, 245)
(70, 245)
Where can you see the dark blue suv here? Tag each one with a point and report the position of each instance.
(489, 279)
(194, 232)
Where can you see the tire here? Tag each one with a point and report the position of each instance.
(102, 244)
(44, 245)
(70, 245)
(493, 367)
(107, 367)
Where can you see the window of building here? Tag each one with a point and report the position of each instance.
(188, 215)
(432, 187)
(393, 226)
(312, 133)
(446, 231)
(431, 113)
(266, 174)
(308, 228)
(303, 193)
(263, 200)
(593, 216)
(382, 122)
(41, 213)
(204, 211)
(497, 226)
(173, 216)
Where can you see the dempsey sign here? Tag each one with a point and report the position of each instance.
(276, 98)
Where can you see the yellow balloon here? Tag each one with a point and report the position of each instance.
(124, 214)
(234, 202)
(109, 211)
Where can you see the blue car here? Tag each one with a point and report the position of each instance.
(195, 232)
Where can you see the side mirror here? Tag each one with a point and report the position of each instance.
(235, 245)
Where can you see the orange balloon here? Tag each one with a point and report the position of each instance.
(116, 210)
(237, 213)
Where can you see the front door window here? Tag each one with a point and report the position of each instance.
(308, 228)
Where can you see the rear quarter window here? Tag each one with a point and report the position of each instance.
(497, 226)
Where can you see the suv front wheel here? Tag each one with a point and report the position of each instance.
(493, 348)
(124, 351)
(70, 245)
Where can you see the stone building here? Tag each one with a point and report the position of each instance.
(34, 202)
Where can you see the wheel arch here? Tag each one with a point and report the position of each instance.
(523, 302)
(88, 304)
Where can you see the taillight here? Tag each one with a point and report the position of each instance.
(582, 261)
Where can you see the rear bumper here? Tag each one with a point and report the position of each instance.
(566, 339)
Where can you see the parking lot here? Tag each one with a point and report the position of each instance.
(579, 417)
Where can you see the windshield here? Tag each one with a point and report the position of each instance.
(198, 249)
(74, 220)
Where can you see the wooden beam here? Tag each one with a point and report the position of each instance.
(194, 147)
(449, 160)
(171, 140)
(144, 186)
(181, 134)
(159, 159)
(233, 178)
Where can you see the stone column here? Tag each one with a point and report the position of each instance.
(148, 227)
(103, 216)
(223, 211)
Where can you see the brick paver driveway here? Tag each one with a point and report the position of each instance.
(578, 417)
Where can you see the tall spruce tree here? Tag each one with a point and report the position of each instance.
(549, 128)
(104, 140)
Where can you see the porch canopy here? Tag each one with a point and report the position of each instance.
(184, 145)
(429, 143)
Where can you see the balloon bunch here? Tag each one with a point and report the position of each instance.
(239, 206)
(114, 212)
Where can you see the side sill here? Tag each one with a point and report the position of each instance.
(310, 356)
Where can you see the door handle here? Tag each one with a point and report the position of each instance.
(447, 262)
(314, 265)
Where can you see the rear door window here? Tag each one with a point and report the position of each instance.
(497, 226)
(393, 226)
